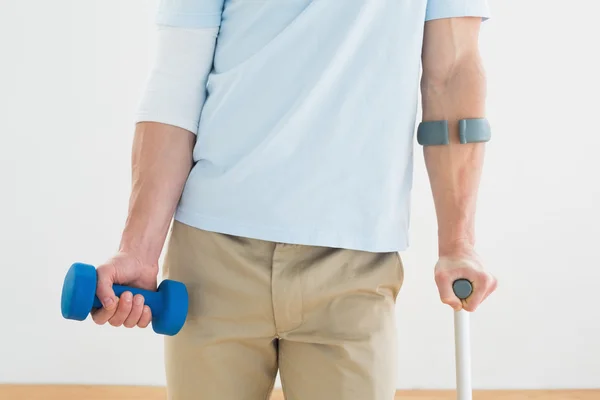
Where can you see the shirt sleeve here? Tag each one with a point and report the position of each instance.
(189, 13)
(437, 9)
(175, 90)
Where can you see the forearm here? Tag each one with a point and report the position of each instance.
(161, 162)
(454, 170)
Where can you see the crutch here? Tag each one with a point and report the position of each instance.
(462, 342)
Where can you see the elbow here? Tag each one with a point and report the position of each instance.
(455, 91)
(464, 70)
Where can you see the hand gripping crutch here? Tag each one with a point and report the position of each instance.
(462, 342)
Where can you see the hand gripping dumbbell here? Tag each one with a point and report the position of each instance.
(169, 305)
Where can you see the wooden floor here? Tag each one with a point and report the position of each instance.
(64, 392)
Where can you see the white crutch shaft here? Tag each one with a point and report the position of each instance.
(462, 343)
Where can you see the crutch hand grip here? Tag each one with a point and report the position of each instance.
(462, 288)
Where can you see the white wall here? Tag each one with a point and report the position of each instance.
(71, 75)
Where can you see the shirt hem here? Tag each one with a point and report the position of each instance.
(187, 124)
(459, 8)
(311, 237)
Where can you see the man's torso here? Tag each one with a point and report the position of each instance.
(306, 135)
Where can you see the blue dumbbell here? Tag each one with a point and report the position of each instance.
(169, 305)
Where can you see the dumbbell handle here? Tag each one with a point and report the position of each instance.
(151, 299)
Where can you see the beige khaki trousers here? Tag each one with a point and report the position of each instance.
(323, 317)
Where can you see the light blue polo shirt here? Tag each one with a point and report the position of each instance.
(306, 134)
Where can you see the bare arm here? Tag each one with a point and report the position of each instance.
(161, 162)
(453, 88)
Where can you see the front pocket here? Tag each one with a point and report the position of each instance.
(398, 274)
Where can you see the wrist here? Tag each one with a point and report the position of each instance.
(132, 263)
(144, 236)
(142, 257)
(457, 235)
(143, 247)
(456, 247)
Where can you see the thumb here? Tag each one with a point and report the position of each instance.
(106, 278)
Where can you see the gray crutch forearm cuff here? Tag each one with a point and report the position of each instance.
(435, 133)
